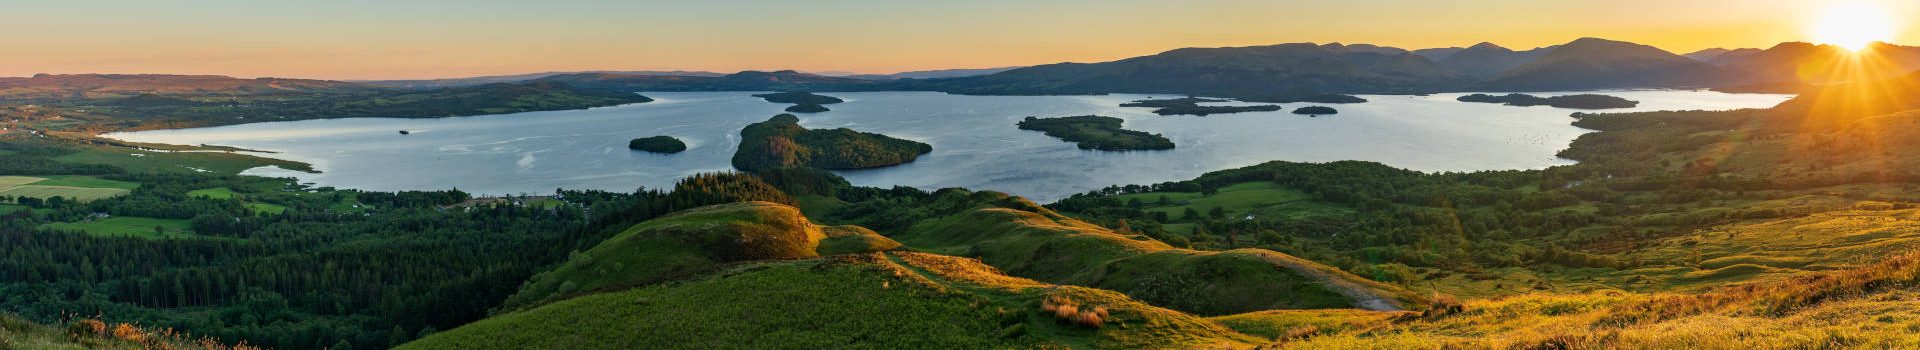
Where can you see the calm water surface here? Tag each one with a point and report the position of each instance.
(975, 143)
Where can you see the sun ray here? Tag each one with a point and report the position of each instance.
(1853, 25)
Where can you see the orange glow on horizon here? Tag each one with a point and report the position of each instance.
(438, 39)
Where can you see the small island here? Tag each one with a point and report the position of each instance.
(781, 142)
(799, 98)
(1097, 133)
(1191, 106)
(807, 108)
(657, 144)
(1315, 111)
(1321, 98)
(404, 132)
(1581, 101)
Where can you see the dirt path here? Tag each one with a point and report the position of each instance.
(1362, 296)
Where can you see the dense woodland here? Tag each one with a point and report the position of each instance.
(370, 269)
(780, 142)
(1097, 133)
(169, 109)
(1191, 106)
(1578, 101)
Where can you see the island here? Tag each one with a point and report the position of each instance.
(657, 144)
(801, 98)
(1581, 101)
(781, 142)
(1321, 98)
(1315, 111)
(807, 108)
(1097, 133)
(1191, 106)
(404, 132)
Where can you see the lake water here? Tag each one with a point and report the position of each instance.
(975, 142)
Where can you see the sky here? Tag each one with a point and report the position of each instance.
(401, 39)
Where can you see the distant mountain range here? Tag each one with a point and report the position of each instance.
(931, 74)
(1270, 72)
(1815, 64)
(492, 79)
(785, 80)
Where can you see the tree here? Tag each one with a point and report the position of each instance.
(1217, 213)
(1190, 214)
(396, 337)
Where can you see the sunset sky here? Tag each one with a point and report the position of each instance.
(426, 39)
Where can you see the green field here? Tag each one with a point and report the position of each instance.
(12, 208)
(81, 188)
(1264, 200)
(127, 226)
(266, 208)
(168, 162)
(85, 181)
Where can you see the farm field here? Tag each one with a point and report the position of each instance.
(128, 226)
(81, 188)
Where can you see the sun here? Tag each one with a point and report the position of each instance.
(1853, 25)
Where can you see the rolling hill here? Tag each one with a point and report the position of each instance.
(785, 80)
(90, 86)
(1592, 63)
(1486, 59)
(1030, 241)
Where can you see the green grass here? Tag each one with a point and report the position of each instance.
(689, 242)
(176, 162)
(85, 181)
(82, 194)
(266, 208)
(780, 305)
(909, 301)
(1032, 242)
(127, 226)
(10, 181)
(81, 188)
(851, 239)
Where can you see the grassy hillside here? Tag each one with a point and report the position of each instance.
(1871, 307)
(905, 300)
(1029, 241)
(684, 243)
(21, 334)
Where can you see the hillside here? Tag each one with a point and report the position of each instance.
(892, 300)
(1591, 63)
(690, 242)
(1821, 64)
(781, 142)
(1029, 241)
(93, 86)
